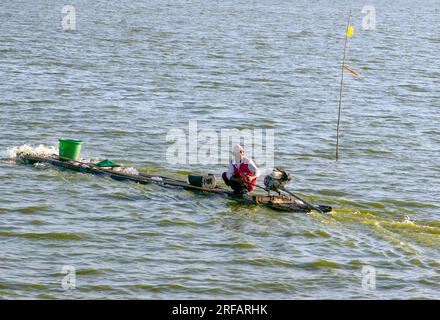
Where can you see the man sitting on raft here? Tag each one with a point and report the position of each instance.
(242, 174)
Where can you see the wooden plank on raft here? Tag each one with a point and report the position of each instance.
(284, 203)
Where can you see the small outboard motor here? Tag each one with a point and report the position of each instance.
(277, 180)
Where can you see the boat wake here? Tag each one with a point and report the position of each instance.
(17, 154)
(41, 150)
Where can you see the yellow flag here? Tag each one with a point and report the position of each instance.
(350, 31)
(352, 71)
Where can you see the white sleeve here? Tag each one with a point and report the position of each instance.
(230, 171)
(253, 168)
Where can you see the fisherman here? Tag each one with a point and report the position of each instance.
(242, 173)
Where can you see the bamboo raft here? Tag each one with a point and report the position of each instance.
(277, 202)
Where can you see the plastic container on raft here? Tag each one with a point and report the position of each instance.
(69, 149)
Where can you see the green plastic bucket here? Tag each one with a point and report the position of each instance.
(69, 149)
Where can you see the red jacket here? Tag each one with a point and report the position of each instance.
(243, 171)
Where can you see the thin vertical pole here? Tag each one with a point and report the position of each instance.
(340, 89)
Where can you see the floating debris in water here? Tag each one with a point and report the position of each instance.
(126, 170)
(89, 160)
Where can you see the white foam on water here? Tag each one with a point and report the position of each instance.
(408, 220)
(41, 165)
(41, 150)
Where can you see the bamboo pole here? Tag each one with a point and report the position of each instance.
(341, 87)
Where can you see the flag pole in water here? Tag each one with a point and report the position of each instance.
(348, 33)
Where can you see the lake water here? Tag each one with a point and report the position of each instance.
(132, 71)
